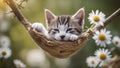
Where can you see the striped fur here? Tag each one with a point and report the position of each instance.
(63, 28)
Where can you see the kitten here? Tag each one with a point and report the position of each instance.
(64, 28)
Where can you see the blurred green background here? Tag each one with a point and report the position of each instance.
(22, 44)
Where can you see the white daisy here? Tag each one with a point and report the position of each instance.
(5, 52)
(4, 41)
(37, 58)
(103, 55)
(116, 41)
(96, 18)
(19, 64)
(92, 61)
(102, 37)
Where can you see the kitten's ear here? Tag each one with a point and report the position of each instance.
(49, 16)
(79, 16)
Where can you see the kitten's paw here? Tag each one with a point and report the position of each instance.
(73, 37)
(38, 26)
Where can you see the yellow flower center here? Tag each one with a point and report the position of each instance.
(116, 42)
(102, 37)
(4, 53)
(92, 62)
(96, 18)
(103, 56)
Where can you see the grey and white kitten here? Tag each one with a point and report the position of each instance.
(64, 27)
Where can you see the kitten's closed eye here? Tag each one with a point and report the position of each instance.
(57, 30)
(73, 31)
(54, 31)
(69, 29)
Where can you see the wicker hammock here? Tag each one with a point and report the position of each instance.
(58, 49)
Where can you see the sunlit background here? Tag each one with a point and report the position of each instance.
(25, 49)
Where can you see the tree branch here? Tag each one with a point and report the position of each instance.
(18, 13)
(59, 49)
(113, 63)
(110, 18)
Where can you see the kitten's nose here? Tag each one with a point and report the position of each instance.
(62, 36)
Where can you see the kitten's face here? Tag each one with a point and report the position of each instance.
(65, 26)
